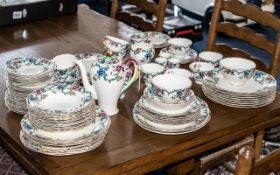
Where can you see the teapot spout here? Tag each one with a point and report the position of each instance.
(85, 80)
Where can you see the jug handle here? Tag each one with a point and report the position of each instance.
(135, 75)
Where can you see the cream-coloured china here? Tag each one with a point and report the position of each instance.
(115, 44)
(237, 70)
(142, 53)
(161, 61)
(179, 71)
(171, 88)
(210, 57)
(179, 46)
(150, 70)
(200, 69)
(108, 75)
(174, 63)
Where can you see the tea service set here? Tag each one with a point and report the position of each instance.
(62, 118)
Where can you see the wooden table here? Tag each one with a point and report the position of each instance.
(127, 149)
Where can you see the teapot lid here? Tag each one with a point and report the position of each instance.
(109, 59)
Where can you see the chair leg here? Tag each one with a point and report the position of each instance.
(258, 143)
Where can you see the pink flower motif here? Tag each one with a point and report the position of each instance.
(102, 114)
(37, 91)
(118, 68)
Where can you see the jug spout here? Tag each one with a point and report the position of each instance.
(85, 80)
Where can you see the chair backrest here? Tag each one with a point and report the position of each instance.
(246, 164)
(244, 33)
(157, 9)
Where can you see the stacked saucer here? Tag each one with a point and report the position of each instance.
(63, 120)
(258, 91)
(170, 112)
(158, 39)
(24, 74)
(179, 48)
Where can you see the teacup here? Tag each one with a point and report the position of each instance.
(89, 59)
(67, 72)
(142, 53)
(150, 70)
(139, 37)
(199, 69)
(161, 61)
(237, 70)
(171, 88)
(179, 71)
(174, 63)
(179, 46)
(210, 57)
(115, 44)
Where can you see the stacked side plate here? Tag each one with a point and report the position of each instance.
(63, 120)
(23, 75)
(188, 115)
(258, 91)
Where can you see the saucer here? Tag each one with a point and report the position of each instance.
(188, 57)
(157, 109)
(158, 39)
(260, 82)
(173, 129)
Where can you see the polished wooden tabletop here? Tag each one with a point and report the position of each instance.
(127, 149)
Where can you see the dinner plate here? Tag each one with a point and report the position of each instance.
(198, 123)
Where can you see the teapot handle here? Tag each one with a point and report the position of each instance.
(135, 75)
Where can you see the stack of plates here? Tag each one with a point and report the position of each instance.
(258, 91)
(23, 75)
(188, 115)
(63, 120)
(189, 56)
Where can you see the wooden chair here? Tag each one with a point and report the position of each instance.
(246, 164)
(244, 33)
(157, 9)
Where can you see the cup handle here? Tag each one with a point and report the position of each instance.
(135, 76)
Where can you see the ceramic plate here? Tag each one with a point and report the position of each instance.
(59, 99)
(29, 66)
(198, 123)
(259, 83)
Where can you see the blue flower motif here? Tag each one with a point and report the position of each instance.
(101, 72)
(179, 93)
(148, 56)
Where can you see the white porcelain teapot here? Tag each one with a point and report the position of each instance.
(109, 80)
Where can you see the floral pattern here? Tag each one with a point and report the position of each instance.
(241, 74)
(109, 72)
(174, 94)
(142, 55)
(37, 96)
(14, 64)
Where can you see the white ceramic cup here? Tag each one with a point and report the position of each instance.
(142, 53)
(179, 71)
(161, 61)
(237, 70)
(174, 63)
(115, 44)
(171, 88)
(199, 69)
(150, 70)
(210, 57)
(139, 37)
(179, 46)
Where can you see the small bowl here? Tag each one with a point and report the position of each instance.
(199, 69)
(210, 57)
(237, 70)
(139, 37)
(142, 53)
(150, 70)
(179, 71)
(171, 88)
(161, 61)
(115, 44)
(174, 63)
(179, 46)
